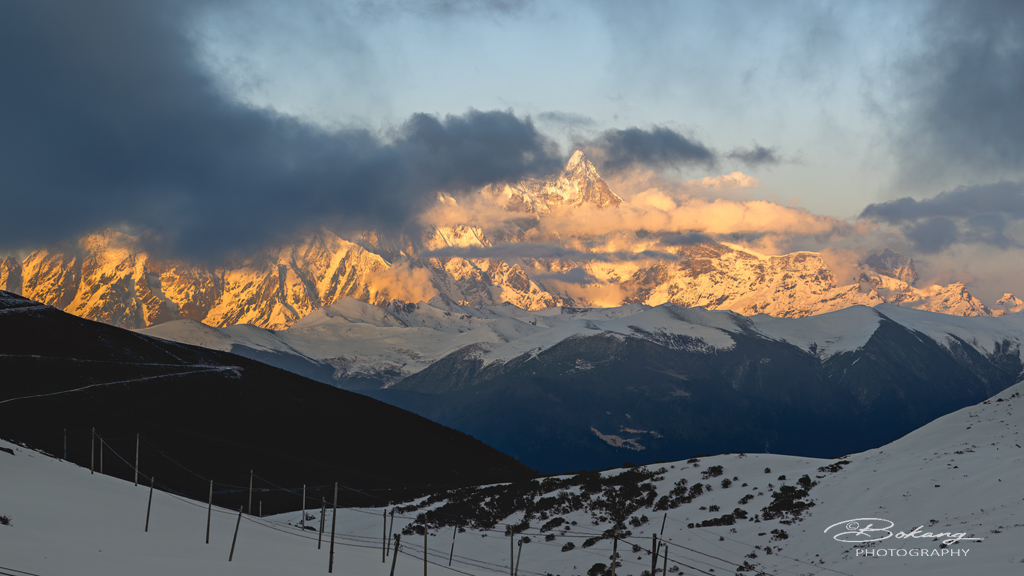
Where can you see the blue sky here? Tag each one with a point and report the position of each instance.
(815, 80)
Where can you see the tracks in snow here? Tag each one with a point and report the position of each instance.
(131, 380)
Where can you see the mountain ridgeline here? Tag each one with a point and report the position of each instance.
(598, 401)
(111, 277)
(563, 347)
(570, 388)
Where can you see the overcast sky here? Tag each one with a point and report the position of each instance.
(192, 119)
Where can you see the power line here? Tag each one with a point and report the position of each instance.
(670, 543)
(731, 565)
(784, 556)
(215, 369)
(340, 538)
(710, 543)
(179, 464)
(355, 538)
(19, 571)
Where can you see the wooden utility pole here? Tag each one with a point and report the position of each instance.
(384, 538)
(452, 553)
(235, 538)
(392, 529)
(615, 549)
(92, 452)
(664, 567)
(518, 557)
(136, 459)
(654, 554)
(425, 525)
(334, 522)
(209, 513)
(249, 512)
(152, 482)
(663, 518)
(302, 521)
(511, 551)
(65, 443)
(101, 454)
(394, 559)
(323, 512)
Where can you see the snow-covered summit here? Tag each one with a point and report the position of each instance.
(578, 183)
(580, 167)
(1008, 304)
(110, 277)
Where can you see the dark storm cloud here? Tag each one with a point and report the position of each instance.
(543, 251)
(979, 214)
(657, 148)
(989, 229)
(932, 234)
(569, 119)
(965, 93)
(106, 119)
(756, 156)
(1005, 198)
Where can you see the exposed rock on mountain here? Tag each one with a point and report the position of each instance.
(891, 263)
(10, 275)
(108, 276)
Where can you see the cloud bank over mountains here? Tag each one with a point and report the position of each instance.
(116, 124)
(976, 214)
(114, 118)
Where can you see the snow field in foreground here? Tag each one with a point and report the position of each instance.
(960, 473)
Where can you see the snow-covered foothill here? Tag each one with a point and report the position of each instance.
(397, 340)
(956, 478)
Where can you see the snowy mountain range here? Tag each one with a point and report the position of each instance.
(948, 491)
(108, 276)
(357, 342)
(570, 388)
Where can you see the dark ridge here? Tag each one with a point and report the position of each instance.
(674, 397)
(206, 415)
